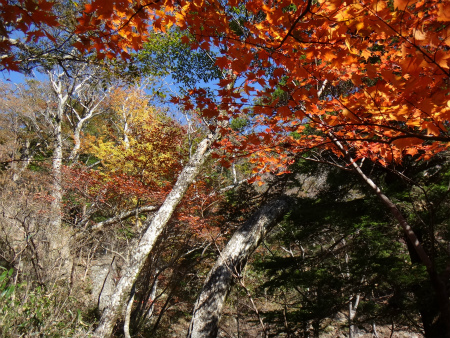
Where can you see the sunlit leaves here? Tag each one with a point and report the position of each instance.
(140, 152)
(27, 19)
(370, 73)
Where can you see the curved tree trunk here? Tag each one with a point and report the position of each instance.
(158, 222)
(208, 307)
(439, 284)
(442, 323)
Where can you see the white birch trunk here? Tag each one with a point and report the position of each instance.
(126, 130)
(56, 173)
(126, 326)
(77, 137)
(56, 118)
(76, 142)
(59, 260)
(352, 307)
(209, 304)
(143, 249)
(91, 111)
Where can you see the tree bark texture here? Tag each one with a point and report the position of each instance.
(209, 304)
(59, 262)
(144, 247)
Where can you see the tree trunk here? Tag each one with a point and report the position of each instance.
(76, 141)
(58, 262)
(25, 160)
(352, 307)
(208, 307)
(143, 249)
(126, 326)
(439, 284)
(427, 303)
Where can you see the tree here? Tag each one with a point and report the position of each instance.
(357, 44)
(139, 142)
(157, 224)
(72, 97)
(155, 227)
(373, 39)
(133, 154)
(230, 264)
(38, 33)
(337, 247)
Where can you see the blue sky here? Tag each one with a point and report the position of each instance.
(15, 77)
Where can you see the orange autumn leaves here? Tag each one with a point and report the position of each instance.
(25, 20)
(371, 74)
(353, 71)
(113, 27)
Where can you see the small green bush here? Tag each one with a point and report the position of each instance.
(38, 311)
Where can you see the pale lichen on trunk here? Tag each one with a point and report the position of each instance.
(157, 224)
(59, 261)
(209, 304)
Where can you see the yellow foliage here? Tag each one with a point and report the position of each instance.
(142, 142)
